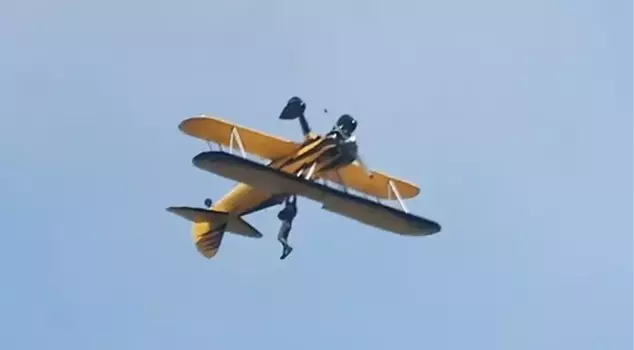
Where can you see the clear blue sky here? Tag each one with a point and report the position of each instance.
(515, 117)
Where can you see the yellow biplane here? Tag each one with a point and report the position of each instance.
(306, 169)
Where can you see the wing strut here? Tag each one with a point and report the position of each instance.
(394, 190)
(343, 184)
(311, 171)
(235, 135)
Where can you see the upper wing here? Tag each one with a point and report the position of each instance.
(377, 184)
(278, 182)
(216, 130)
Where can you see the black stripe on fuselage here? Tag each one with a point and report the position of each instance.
(329, 146)
(317, 147)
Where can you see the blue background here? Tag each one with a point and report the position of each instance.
(514, 117)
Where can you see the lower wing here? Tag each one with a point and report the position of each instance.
(277, 182)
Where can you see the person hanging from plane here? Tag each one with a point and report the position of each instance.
(287, 215)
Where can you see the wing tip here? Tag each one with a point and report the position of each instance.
(435, 227)
(187, 122)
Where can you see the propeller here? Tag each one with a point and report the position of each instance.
(361, 162)
(363, 165)
(352, 147)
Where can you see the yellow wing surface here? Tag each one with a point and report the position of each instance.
(219, 131)
(278, 182)
(376, 184)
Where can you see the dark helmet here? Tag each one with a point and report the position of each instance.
(347, 124)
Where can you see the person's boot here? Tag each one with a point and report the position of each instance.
(287, 251)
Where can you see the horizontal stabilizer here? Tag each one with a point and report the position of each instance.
(199, 215)
(235, 225)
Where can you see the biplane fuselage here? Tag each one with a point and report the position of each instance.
(318, 157)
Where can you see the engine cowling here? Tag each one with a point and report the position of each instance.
(346, 124)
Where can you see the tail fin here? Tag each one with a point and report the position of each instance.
(210, 225)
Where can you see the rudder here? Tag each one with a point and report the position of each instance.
(208, 227)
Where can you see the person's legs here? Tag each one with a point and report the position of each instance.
(282, 237)
(284, 232)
